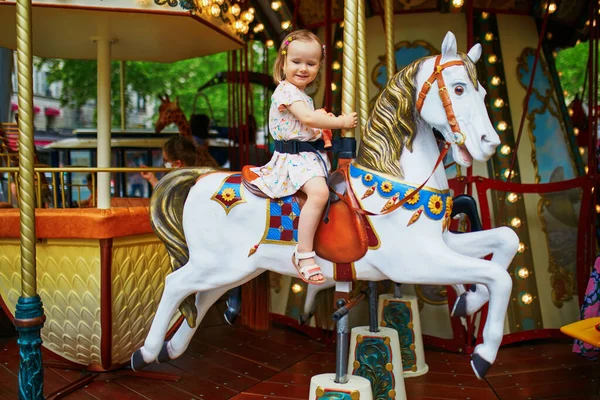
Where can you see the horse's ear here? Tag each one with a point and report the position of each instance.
(449, 46)
(475, 53)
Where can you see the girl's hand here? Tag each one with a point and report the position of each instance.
(349, 121)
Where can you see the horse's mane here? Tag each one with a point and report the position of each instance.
(393, 121)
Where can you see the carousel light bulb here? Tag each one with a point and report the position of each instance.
(581, 150)
(248, 16)
(492, 59)
(489, 36)
(498, 103)
(270, 43)
(505, 150)
(205, 3)
(220, 2)
(251, 10)
(565, 92)
(296, 288)
(239, 26)
(235, 10)
(339, 44)
(275, 5)
(333, 87)
(521, 248)
(215, 10)
(549, 36)
(259, 28)
(342, 24)
(587, 23)
(554, 53)
(576, 131)
(458, 3)
(570, 112)
(512, 197)
(586, 169)
(560, 74)
(523, 273)
(484, 15)
(515, 222)
(597, 208)
(505, 173)
(285, 25)
(577, 42)
(502, 126)
(526, 298)
(245, 29)
(496, 81)
(336, 65)
(551, 8)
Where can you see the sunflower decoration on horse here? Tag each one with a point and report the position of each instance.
(390, 219)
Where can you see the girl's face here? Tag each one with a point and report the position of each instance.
(302, 62)
(168, 163)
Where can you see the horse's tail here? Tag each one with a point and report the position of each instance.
(166, 218)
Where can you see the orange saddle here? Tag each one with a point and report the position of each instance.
(344, 238)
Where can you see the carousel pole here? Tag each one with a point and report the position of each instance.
(390, 62)
(29, 315)
(363, 88)
(103, 109)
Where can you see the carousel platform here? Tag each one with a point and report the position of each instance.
(225, 362)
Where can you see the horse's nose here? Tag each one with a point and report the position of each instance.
(489, 142)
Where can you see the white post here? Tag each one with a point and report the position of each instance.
(104, 120)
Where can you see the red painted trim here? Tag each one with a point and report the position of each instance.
(106, 302)
(137, 11)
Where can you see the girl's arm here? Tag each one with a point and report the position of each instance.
(319, 120)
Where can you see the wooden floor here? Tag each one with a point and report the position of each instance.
(226, 362)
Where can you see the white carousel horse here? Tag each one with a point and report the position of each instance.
(398, 152)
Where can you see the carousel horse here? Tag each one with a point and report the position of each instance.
(170, 113)
(219, 234)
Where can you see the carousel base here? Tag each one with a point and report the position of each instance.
(402, 314)
(324, 386)
(378, 351)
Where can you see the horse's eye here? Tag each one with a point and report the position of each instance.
(459, 90)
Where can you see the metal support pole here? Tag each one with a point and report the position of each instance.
(341, 360)
(29, 315)
(123, 102)
(349, 70)
(373, 323)
(398, 290)
(104, 121)
(390, 61)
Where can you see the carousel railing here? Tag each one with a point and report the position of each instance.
(56, 192)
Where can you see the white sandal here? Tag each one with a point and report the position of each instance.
(307, 272)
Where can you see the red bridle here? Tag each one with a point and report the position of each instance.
(444, 96)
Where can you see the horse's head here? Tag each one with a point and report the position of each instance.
(459, 111)
(168, 113)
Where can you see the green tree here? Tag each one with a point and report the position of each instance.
(571, 65)
(150, 80)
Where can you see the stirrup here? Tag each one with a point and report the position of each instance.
(307, 272)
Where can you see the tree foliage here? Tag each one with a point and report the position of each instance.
(572, 64)
(150, 80)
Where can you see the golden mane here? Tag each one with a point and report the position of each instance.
(393, 122)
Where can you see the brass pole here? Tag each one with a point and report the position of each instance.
(349, 71)
(363, 89)
(390, 62)
(123, 108)
(29, 313)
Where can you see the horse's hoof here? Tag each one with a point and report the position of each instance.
(303, 320)
(480, 366)
(460, 307)
(230, 316)
(163, 356)
(137, 361)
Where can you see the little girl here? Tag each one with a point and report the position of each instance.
(292, 118)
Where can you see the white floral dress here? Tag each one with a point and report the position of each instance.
(286, 173)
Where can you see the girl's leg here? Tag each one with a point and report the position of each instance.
(316, 198)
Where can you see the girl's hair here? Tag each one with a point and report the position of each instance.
(182, 149)
(302, 35)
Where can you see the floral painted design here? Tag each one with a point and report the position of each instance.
(414, 199)
(228, 194)
(436, 205)
(387, 186)
(285, 174)
(589, 309)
